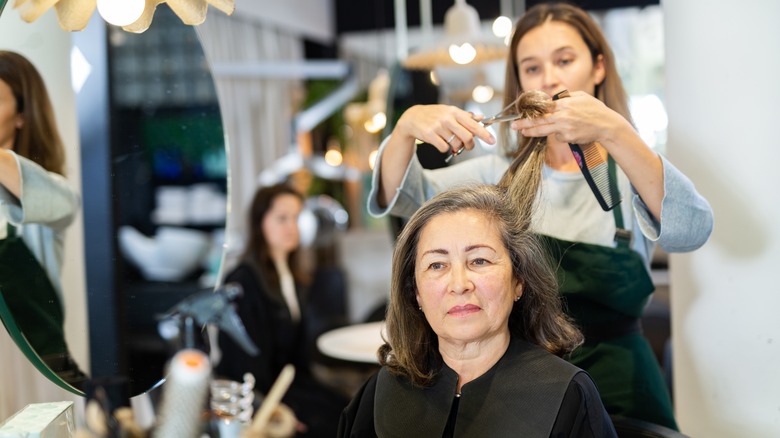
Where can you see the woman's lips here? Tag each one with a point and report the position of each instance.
(468, 309)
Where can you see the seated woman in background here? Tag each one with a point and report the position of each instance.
(474, 331)
(272, 310)
(36, 206)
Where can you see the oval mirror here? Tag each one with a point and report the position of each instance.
(153, 175)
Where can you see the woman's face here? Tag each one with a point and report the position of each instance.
(464, 278)
(10, 120)
(553, 57)
(280, 224)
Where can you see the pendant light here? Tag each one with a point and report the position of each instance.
(463, 44)
(131, 15)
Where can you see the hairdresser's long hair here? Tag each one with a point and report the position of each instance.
(38, 139)
(411, 348)
(610, 90)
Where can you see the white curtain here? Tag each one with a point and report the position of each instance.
(21, 383)
(257, 112)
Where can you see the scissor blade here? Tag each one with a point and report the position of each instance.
(500, 119)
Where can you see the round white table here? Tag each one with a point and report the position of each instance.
(357, 343)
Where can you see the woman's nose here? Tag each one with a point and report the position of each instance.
(459, 280)
(550, 78)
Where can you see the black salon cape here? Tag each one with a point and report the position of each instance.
(281, 341)
(528, 393)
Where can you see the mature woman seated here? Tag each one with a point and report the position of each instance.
(474, 333)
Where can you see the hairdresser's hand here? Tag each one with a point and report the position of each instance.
(443, 126)
(580, 119)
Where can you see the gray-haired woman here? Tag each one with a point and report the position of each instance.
(474, 331)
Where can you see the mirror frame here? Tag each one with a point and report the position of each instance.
(21, 341)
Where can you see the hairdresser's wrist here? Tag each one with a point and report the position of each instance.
(618, 134)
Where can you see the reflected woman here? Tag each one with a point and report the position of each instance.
(273, 310)
(36, 206)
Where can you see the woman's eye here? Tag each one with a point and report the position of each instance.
(480, 262)
(565, 61)
(436, 266)
(531, 70)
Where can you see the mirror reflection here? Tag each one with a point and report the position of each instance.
(22, 372)
(165, 199)
(38, 204)
(169, 186)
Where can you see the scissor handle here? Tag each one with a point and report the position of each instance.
(561, 94)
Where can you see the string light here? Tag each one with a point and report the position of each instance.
(334, 158)
(462, 54)
(502, 26)
(372, 158)
(376, 123)
(482, 93)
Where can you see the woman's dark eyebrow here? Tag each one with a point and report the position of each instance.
(478, 246)
(435, 251)
(556, 51)
(468, 248)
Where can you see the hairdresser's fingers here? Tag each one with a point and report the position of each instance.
(584, 118)
(477, 129)
(432, 124)
(535, 127)
(447, 127)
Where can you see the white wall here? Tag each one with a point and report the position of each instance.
(48, 48)
(723, 88)
(313, 19)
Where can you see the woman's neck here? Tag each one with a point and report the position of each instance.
(471, 360)
(279, 257)
(558, 156)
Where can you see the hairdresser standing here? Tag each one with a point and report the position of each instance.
(603, 274)
(37, 204)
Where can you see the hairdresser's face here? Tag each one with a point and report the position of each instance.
(553, 57)
(280, 224)
(10, 120)
(464, 278)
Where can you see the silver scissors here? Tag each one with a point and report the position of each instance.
(499, 117)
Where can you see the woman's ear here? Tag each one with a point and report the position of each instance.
(599, 70)
(19, 122)
(518, 290)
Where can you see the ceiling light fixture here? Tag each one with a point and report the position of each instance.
(463, 43)
(131, 15)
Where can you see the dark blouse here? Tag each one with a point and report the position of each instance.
(528, 393)
(281, 341)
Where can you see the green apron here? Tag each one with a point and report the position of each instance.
(35, 306)
(606, 290)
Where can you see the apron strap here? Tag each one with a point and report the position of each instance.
(622, 235)
(11, 230)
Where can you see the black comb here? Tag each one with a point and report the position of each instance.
(595, 169)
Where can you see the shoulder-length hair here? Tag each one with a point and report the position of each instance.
(257, 252)
(38, 139)
(411, 348)
(610, 90)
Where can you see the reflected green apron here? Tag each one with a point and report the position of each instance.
(606, 290)
(35, 306)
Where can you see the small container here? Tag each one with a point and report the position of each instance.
(231, 405)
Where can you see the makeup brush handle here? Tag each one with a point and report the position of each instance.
(274, 397)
